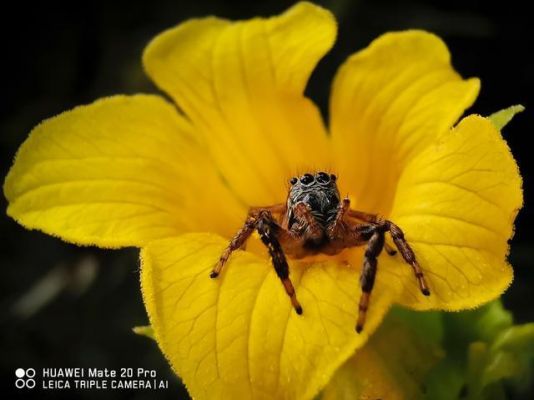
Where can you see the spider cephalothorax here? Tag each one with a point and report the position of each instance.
(314, 220)
(320, 194)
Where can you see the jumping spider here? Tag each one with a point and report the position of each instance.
(314, 220)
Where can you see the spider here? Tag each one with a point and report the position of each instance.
(315, 220)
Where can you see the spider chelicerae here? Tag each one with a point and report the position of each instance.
(315, 220)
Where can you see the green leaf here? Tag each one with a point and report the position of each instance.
(517, 338)
(147, 331)
(395, 361)
(481, 324)
(512, 355)
(471, 355)
(501, 118)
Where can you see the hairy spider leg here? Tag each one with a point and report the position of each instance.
(336, 227)
(400, 242)
(344, 209)
(266, 228)
(241, 237)
(237, 242)
(305, 217)
(367, 277)
(408, 255)
(263, 221)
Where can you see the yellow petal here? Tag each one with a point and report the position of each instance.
(118, 172)
(389, 101)
(241, 84)
(457, 202)
(237, 336)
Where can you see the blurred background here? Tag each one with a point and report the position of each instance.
(65, 306)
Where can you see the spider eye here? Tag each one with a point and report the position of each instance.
(306, 179)
(293, 180)
(322, 177)
(333, 177)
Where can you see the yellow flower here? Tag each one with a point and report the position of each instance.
(134, 171)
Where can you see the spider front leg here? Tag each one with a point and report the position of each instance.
(263, 221)
(267, 229)
(336, 228)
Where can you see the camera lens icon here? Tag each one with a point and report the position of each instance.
(22, 373)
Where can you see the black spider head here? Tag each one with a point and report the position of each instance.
(319, 191)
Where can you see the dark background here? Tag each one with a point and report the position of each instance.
(66, 306)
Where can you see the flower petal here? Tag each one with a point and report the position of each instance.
(456, 203)
(390, 101)
(241, 84)
(238, 336)
(118, 172)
